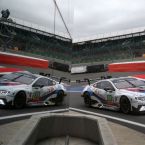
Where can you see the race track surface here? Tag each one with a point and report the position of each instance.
(74, 100)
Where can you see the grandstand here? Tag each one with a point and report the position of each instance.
(125, 47)
(18, 38)
(21, 39)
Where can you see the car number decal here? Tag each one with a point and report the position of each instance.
(36, 95)
(50, 89)
(109, 97)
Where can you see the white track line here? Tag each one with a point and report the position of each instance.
(77, 110)
(35, 113)
(109, 117)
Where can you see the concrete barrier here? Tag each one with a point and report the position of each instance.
(79, 69)
(41, 127)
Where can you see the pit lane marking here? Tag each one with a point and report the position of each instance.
(73, 81)
(34, 113)
(107, 116)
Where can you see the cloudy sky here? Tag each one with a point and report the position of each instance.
(85, 18)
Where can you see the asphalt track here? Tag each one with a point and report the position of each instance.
(74, 100)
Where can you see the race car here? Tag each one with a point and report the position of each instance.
(126, 94)
(140, 77)
(19, 89)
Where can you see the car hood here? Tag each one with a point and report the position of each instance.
(8, 84)
(134, 91)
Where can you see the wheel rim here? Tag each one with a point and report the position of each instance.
(125, 105)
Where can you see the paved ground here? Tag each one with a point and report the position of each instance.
(61, 141)
(123, 135)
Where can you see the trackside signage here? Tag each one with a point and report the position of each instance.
(79, 69)
(10, 58)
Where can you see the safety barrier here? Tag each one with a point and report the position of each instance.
(135, 66)
(79, 69)
(96, 68)
(5, 70)
(89, 69)
(59, 66)
(10, 58)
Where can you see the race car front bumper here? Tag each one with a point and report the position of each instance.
(2, 102)
(5, 102)
(140, 108)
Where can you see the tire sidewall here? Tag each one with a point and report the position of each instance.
(87, 99)
(19, 100)
(59, 98)
(122, 99)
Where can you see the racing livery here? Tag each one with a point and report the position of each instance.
(19, 89)
(126, 94)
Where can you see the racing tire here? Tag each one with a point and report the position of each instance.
(125, 105)
(87, 99)
(20, 100)
(59, 98)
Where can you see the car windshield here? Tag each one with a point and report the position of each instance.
(122, 84)
(136, 82)
(11, 76)
(19, 77)
(25, 79)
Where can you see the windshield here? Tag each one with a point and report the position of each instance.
(19, 77)
(11, 76)
(136, 82)
(25, 79)
(122, 84)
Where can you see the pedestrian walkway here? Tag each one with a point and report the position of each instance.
(122, 134)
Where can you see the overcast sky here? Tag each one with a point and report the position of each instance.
(85, 18)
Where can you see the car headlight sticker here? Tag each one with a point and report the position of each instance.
(140, 98)
(4, 92)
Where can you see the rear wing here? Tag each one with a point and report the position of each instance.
(64, 79)
(84, 80)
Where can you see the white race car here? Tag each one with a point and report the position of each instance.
(19, 89)
(126, 94)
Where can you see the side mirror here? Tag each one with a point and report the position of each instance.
(41, 86)
(108, 89)
(53, 83)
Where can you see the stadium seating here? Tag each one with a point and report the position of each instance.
(20, 39)
(34, 43)
(110, 50)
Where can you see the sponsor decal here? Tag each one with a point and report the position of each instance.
(136, 90)
(50, 89)
(109, 97)
(110, 100)
(9, 84)
(35, 96)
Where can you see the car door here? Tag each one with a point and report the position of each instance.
(106, 92)
(42, 88)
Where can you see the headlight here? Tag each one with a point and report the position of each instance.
(140, 98)
(4, 92)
